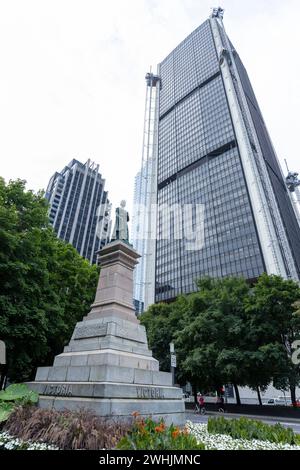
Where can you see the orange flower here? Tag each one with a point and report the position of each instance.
(175, 433)
(159, 428)
(141, 425)
(135, 414)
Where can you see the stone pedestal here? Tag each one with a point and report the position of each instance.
(107, 366)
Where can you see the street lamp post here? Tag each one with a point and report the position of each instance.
(173, 362)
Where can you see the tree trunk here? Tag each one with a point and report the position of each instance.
(258, 395)
(3, 373)
(237, 394)
(194, 388)
(293, 395)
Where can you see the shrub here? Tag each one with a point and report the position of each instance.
(147, 434)
(250, 429)
(15, 395)
(65, 429)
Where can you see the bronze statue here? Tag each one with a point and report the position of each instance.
(120, 231)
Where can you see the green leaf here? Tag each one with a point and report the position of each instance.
(5, 410)
(18, 392)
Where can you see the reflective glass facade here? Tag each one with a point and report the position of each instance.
(199, 163)
(79, 207)
(274, 171)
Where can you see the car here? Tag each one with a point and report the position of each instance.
(279, 401)
(284, 400)
(187, 397)
(271, 401)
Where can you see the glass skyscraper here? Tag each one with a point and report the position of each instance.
(138, 238)
(213, 148)
(79, 207)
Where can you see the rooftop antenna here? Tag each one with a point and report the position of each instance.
(218, 12)
(286, 165)
(292, 180)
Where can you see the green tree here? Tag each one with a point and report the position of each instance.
(230, 332)
(156, 322)
(45, 286)
(274, 316)
(162, 322)
(208, 328)
(74, 280)
(215, 337)
(212, 344)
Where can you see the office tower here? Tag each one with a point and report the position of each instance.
(137, 228)
(213, 150)
(79, 207)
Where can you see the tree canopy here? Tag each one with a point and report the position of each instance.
(230, 332)
(274, 316)
(45, 285)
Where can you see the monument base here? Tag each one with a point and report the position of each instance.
(107, 367)
(118, 409)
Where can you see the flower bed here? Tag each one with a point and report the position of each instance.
(250, 429)
(226, 442)
(31, 428)
(8, 442)
(147, 434)
(66, 430)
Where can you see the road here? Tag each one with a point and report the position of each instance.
(196, 418)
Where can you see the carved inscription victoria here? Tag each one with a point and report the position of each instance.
(150, 392)
(60, 390)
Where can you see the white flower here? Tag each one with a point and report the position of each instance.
(226, 442)
(12, 443)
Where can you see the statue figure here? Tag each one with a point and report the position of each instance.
(121, 228)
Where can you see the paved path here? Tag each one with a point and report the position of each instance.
(287, 422)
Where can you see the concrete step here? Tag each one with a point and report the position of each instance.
(107, 356)
(108, 342)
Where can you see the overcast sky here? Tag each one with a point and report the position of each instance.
(72, 78)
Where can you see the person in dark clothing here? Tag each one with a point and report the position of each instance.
(220, 403)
